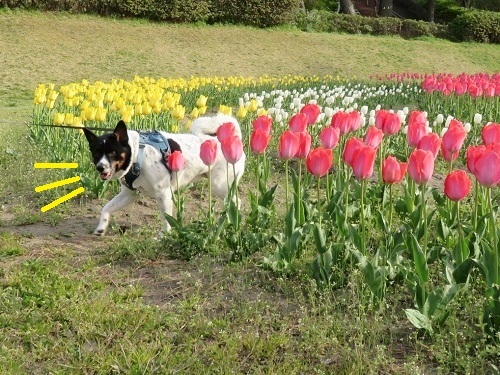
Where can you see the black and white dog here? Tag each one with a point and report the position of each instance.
(139, 167)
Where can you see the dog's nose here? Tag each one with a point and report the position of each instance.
(100, 168)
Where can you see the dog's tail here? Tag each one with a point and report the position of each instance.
(209, 125)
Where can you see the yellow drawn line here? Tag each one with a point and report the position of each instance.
(56, 165)
(53, 185)
(64, 198)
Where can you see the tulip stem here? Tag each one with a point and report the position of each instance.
(390, 207)
(286, 183)
(210, 221)
(424, 219)
(380, 158)
(179, 214)
(362, 213)
(319, 204)
(460, 234)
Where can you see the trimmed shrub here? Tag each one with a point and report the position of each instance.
(477, 26)
(415, 29)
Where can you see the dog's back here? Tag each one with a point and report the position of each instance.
(209, 125)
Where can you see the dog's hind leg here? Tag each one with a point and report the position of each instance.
(164, 201)
(123, 199)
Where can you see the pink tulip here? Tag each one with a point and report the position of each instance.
(288, 145)
(416, 131)
(340, 120)
(208, 151)
(351, 146)
(392, 170)
(430, 142)
(304, 145)
(225, 130)
(453, 140)
(263, 123)
(363, 160)
(329, 137)
(373, 136)
(259, 141)
(232, 149)
(421, 166)
(298, 123)
(457, 185)
(487, 167)
(491, 133)
(312, 111)
(319, 161)
(388, 122)
(175, 161)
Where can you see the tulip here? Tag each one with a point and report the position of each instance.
(340, 120)
(304, 145)
(242, 112)
(298, 123)
(195, 113)
(68, 118)
(263, 123)
(259, 141)
(373, 136)
(392, 170)
(201, 101)
(226, 110)
(227, 129)
(208, 152)
(329, 137)
(232, 149)
(178, 112)
(288, 145)
(421, 166)
(491, 133)
(415, 132)
(58, 118)
(312, 112)
(453, 140)
(389, 123)
(319, 161)
(354, 120)
(351, 146)
(253, 106)
(363, 160)
(430, 142)
(457, 185)
(487, 167)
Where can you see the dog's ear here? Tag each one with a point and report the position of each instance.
(91, 137)
(121, 132)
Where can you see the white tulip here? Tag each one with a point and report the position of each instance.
(467, 127)
(478, 118)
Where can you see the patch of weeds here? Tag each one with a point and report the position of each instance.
(137, 246)
(10, 245)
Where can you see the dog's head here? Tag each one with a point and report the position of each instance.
(110, 152)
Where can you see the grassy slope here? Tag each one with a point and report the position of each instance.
(73, 309)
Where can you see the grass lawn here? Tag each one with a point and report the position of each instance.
(72, 303)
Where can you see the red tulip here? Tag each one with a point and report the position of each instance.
(329, 137)
(225, 130)
(232, 149)
(259, 141)
(298, 123)
(457, 185)
(487, 167)
(430, 142)
(373, 136)
(392, 170)
(288, 145)
(354, 120)
(415, 132)
(421, 166)
(264, 123)
(351, 146)
(491, 133)
(319, 161)
(312, 111)
(304, 145)
(175, 161)
(388, 122)
(453, 140)
(208, 151)
(363, 160)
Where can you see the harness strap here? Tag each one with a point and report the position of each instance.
(155, 139)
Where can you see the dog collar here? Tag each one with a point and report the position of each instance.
(152, 138)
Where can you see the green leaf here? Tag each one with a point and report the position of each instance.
(381, 222)
(418, 319)
(267, 199)
(419, 259)
(355, 237)
(319, 238)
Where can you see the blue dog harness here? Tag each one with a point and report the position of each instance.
(152, 138)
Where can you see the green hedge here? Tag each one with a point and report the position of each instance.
(478, 26)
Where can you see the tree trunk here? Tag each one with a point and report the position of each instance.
(385, 8)
(347, 7)
(431, 6)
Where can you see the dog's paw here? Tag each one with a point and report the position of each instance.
(99, 232)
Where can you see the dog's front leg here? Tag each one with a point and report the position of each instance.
(124, 198)
(164, 201)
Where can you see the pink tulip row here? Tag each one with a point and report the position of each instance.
(475, 85)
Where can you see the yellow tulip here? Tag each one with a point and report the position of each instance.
(253, 106)
(242, 112)
(261, 112)
(170, 103)
(52, 95)
(146, 108)
(68, 118)
(89, 113)
(188, 125)
(157, 107)
(127, 116)
(202, 110)
(49, 104)
(138, 109)
(100, 114)
(202, 101)
(39, 99)
(194, 113)
(226, 110)
(178, 112)
(77, 122)
(58, 118)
